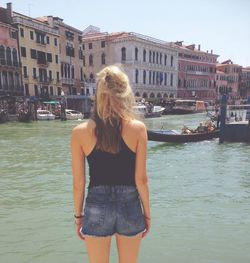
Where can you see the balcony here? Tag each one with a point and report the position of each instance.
(68, 81)
(200, 73)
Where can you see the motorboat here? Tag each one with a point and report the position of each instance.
(73, 115)
(176, 137)
(45, 115)
(188, 107)
(148, 111)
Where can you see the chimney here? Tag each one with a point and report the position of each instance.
(199, 47)
(9, 12)
(211, 51)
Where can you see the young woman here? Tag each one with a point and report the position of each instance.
(115, 145)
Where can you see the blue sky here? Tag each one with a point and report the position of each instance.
(221, 25)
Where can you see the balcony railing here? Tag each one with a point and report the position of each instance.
(68, 81)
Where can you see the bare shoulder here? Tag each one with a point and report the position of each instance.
(85, 128)
(138, 128)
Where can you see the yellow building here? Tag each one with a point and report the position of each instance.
(40, 56)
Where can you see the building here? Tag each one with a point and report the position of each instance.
(10, 66)
(39, 51)
(150, 64)
(245, 82)
(196, 75)
(71, 54)
(231, 76)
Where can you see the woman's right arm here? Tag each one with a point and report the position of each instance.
(141, 178)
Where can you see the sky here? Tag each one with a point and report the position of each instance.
(219, 25)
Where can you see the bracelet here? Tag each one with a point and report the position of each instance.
(78, 217)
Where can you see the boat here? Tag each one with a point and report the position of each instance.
(149, 112)
(176, 137)
(45, 115)
(73, 115)
(188, 107)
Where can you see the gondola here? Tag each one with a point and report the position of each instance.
(175, 137)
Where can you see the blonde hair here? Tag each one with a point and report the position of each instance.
(114, 103)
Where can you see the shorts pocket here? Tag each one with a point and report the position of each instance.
(94, 214)
(133, 211)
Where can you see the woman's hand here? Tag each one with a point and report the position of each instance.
(148, 225)
(79, 224)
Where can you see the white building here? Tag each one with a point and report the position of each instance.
(151, 64)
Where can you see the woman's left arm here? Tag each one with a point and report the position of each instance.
(78, 170)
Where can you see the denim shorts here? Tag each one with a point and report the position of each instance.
(112, 210)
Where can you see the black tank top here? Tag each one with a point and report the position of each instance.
(112, 169)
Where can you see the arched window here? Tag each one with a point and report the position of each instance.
(172, 61)
(152, 95)
(157, 57)
(153, 57)
(171, 80)
(171, 95)
(144, 55)
(145, 95)
(159, 95)
(2, 55)
(153, 77)
(8, 56)
(150, 56)
(160, 58)
(144, 76)
(91, 60)
(150, 77)
(165, 79)
(65, 71)
(137, 94)
(165, 95)
(165, 60)
(136, 54)
(14, 56)
(136, 75)
(72, 72)
(123, 51)
(103, 59)
(68, 68)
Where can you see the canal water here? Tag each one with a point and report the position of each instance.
(200, 197)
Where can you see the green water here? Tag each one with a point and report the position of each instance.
(200, 197)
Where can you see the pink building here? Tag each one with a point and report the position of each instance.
(231, 76)
(245, 82)
(10, 67)
(197, 69)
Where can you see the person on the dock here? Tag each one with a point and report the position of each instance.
(115, 145)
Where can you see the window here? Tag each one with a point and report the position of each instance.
(47, 38)
(103, 59)
(59, 91)
(8, 56)
(165, 79)
(171, 80)
(23, 51)
(153, 57)
(144, 76)
(157, 57)
(31, 35)
(51, 90)
(26, 86)
(80, 53)
(144, 55)
(81, 74)
(36, 90)
(49, 57)
(14, 55)
(91, 60)
(70, 51)
(72, 72)
(149, 77)
(150, 56)
(25, 74)
(33, 53)
(83, 60)
(136, 54)
(123, 55)
(103, 44)
(57, 76)
(165, 60)
(160, 58)
(55, 41)
(2, 55)
(83, 47)
(21, 32)
(172, 62)
(90, 46)
(34, 73)
(50, 75)
(136, 75)
(56, 59)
